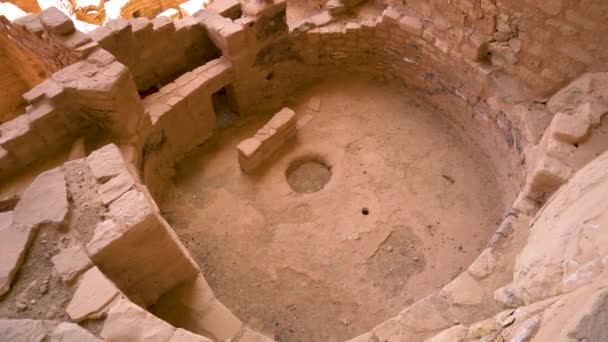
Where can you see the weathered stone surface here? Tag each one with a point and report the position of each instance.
(535, 119)
(115, 187)
(14, 242)
(483, 265)
(456, 333)
(70, 263)
(221, 322)
(570, 128)
(128, 322)
(92, 296)
(56, 21)
(569, 228)
(6, 219)
(591, 322)
(131, 208)
(182, 335)
(254, 336)
(105, 233)
(507, 297)
(527, 331)
(106, 163)
(24, 330)
(590, 89)
(45, 201)
(464, 290)
(70, 332)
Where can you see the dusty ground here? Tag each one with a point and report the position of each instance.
(409, 205)
(37, 291)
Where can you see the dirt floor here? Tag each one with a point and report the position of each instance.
(409, 203)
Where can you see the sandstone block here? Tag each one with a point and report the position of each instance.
(464, 290)
(570, 128)
(106, 232)
(221, 322)
(115, 188)
(182, 335)
(14, 242)
(226, 8)
(56, 21)
(106, 163)
(44, 201)
(535, 120)
(70, 332)
(70, 263)
(138, 251)
(92, 296)
(547, 176)
(268, 140)
(128, 322)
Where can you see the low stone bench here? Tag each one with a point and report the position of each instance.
(254, 151)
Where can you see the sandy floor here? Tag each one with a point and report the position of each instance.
(314, 267)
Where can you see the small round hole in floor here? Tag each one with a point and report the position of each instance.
(307, 175)
(365, 211)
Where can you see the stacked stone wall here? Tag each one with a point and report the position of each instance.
(156, 51)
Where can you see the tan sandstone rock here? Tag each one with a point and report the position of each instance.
(182, 335)
(106, 163)
(70, 263)
(456, 333)
(44, 201)
(128, 322)
(14, 242)
(92, 296)
(569, 228)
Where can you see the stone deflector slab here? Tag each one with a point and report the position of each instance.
(253, 152)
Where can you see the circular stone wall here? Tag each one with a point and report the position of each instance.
(411, 202)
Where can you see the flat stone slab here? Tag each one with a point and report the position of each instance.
(182, 335)
(128, 322)
(106, 163)
(115, 188)
(14, 242)
(45, 201)
(31, 330)
(70, 263)
(94, 293)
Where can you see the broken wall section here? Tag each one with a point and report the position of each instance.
(95, 95)
(156, 51)
(261, 53)
(31, 49)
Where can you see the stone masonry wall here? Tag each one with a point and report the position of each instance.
(546, 44)
(49, 39)
(156, 51)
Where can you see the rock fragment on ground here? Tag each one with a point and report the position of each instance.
(70, 263)
(45, 201)
(14, 243)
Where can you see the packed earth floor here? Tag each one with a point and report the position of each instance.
(408, 204)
